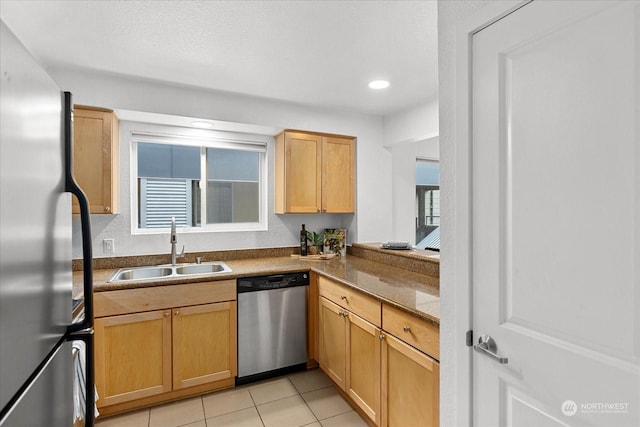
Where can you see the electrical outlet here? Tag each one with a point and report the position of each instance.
(108, 246)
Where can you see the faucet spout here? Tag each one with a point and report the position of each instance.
(174, 240)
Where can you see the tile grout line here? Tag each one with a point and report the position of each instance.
(255, 406)
(305, 402)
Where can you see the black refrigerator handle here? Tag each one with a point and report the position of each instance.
(72, 187)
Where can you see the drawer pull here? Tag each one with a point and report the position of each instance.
(381, 336)
(406, 328)
(177, 312)
(166, 314)
(343, 297)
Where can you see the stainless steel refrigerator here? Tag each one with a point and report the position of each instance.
(36, 185)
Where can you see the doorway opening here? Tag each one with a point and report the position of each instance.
(428, 204)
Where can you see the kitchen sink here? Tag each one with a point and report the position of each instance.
(169, 271)
(212, 267)
(141, 273)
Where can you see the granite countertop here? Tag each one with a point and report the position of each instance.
(412, 291)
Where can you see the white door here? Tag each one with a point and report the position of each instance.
(556, 215)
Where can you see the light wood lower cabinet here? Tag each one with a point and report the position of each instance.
(204, 344)
(410, 386)
(393, 383)
(350, 355)
(333, 342)
(363, 366)
(168, 352)
(132, 356)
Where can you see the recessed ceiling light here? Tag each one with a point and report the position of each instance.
(202, 125)
(379, 84)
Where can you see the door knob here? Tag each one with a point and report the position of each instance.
(487, 346)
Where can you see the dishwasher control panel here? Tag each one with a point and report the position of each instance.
(275, 281)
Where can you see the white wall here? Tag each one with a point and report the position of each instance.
(409, 134)
(404, 157)
(413, 124)
(455, 357)
(372, 221)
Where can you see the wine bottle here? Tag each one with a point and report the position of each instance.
(303, 241)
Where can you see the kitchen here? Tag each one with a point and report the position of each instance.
(373, 220)
(283, 230)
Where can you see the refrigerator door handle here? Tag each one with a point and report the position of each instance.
(72, 187)
(89, 374)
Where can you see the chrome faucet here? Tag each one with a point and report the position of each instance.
(174, 241)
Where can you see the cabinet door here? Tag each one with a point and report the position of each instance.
(204, 344)
(132, 356)
(363, 366)
(303, 154)
(338, 175)
(410, 386)
(95, 158)
(333, 341)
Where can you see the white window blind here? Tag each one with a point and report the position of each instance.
(163, 199)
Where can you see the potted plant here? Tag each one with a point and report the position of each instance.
(315, 242)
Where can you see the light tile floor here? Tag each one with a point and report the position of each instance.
(302, 399)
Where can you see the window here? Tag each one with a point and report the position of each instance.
(428, 204)
(220, 181)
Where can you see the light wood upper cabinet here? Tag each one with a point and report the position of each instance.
(95, 158)
(315, 173)
(338, 174)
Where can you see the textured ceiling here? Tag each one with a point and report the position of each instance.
(320, 53)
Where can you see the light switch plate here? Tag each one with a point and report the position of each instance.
(108, 246)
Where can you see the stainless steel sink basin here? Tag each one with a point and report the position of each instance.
(168, 271)
(212, 267)
(141, 273)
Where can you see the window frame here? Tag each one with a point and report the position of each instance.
(203, 140)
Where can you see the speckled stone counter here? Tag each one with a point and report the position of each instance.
(414, 292)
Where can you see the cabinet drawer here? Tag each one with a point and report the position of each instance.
(423, 335)
(111, 303)
(358, 303)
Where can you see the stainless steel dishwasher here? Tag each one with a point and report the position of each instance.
(272, 325)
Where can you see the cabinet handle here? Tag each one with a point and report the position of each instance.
(166, 314)
(406, 328)
(381, 336)
(343, 297)
(318, 210)
(177, 312)
(324, 209)
(346, 314)
(107, 209)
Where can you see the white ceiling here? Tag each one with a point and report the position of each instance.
(321, 53)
